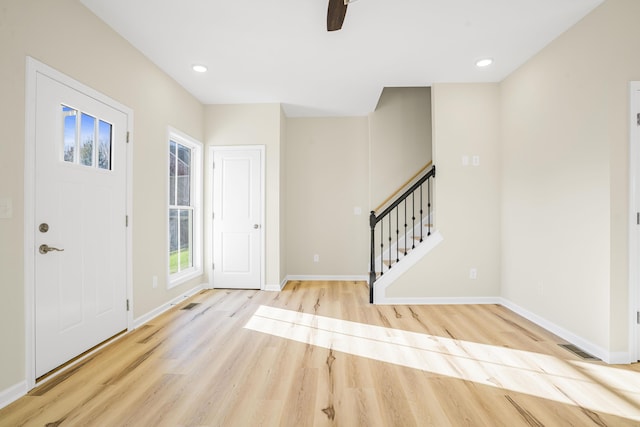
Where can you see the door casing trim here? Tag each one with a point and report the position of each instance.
(634, 233)
(33, 68)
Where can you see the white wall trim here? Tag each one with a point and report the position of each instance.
(586, 345)
(634, 233)
(439, 300)
(327, 278)
(167, 306)
(33, 67)
(13, 393)
(390, 276)
(276, 288)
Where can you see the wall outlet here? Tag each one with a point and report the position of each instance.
(473, 273)
(316, 258)
(357, 210)
(465, 160)
(154, 282)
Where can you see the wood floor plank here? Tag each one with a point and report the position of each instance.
(318, 354)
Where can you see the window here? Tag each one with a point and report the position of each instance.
(81, 132)
(185, 223)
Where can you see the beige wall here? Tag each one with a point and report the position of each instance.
(400, 139)
(55, 33)
(257, 124)
(467, 198)
(565, 168)
(543, 218)
(327, 169)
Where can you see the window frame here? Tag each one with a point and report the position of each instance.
(196, 191)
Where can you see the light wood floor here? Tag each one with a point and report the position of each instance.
(318, 354)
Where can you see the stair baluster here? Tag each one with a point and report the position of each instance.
(413, 220)
(395, 206)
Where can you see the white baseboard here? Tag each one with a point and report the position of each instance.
(276, 288)
(586, 345)
(380, 286)
(352, 278)
(166, 306)
(437, 300)
(616, 358)
(13, 393)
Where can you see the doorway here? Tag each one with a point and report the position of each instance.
(76, 219)
(238, 217)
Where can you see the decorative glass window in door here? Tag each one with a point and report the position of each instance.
(87, 140)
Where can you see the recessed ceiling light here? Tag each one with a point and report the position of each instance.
(199, 68)
(485, 62)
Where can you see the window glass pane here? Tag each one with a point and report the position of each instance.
(172, 173)
(186, 239)
(104, 145)
(69, 133)
(174, 253)
(185, 247)
(184, 176)
(87, 135)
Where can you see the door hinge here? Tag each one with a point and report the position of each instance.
(213, 215)
(127, 305)
(638, 119)
(213, 165)
(213, 266)
(638, 317)
(127, 137)
(126, 220)
(638, 218)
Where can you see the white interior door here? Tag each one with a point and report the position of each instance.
(237, 218)
(80, 237)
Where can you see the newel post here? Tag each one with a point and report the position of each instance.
(372, 267)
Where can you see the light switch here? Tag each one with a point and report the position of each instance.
(475, 160)
(357, 210)
(465, 160)
(6, 208)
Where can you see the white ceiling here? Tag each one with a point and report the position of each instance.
(264, 51)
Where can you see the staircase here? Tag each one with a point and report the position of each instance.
(402, 234)
(401, 247)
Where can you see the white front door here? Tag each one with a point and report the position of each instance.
(237, 217)
(80, 231)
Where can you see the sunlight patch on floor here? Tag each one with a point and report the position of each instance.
(595, 387)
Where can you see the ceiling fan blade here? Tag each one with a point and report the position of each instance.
(335, 14)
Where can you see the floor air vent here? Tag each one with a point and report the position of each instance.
(190, 306)
(578, 351)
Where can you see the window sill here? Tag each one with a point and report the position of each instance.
(178, 279)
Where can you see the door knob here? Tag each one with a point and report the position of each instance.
(44, 249)
(256, 226)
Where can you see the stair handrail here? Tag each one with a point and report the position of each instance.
(375, 219)
(406, 183)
